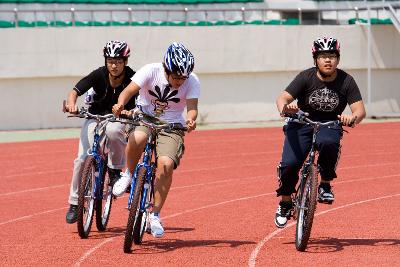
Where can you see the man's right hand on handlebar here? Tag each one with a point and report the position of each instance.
(291, 108)
(71, 108)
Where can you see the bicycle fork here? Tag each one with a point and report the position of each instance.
(304, 173)
(99, 168)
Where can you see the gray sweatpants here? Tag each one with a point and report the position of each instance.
(115, 146)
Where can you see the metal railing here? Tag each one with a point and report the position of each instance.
(187, 14)
(393, 16)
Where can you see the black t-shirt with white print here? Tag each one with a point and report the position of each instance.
(105, 95)
(324, 100)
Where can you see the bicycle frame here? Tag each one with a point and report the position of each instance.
(312, 154)
(311, 158)
(150, 168)
(95, 151)
(142, 184)
(99, 157)
(305, 197)
(147, 163)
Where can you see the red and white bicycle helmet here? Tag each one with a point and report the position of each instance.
(325, 44)
(116, 49)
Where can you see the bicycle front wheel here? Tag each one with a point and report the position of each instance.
(306, 204)
(134, 211)
(86, 198)
(103, 204)
(141, 223)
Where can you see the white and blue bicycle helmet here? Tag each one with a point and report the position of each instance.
(179, 60)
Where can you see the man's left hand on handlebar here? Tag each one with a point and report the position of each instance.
(191, 125)
(347, 120)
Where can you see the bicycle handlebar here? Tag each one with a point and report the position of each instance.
(84, 113)
(139, 118)
(302, 117)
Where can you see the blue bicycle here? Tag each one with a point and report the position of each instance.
(95, 190)
(305, 198)
(141, 194)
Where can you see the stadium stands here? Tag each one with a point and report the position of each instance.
(82, 13)
(127, 1)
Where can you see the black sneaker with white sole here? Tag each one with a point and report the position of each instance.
(114, 175)
(325, 193)
(283, 213)
(72, 214)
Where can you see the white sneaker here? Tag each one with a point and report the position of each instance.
(122, 184)
(156, 227)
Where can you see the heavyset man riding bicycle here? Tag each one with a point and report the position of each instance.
(104, 86)
(165, 90)
(322, 91)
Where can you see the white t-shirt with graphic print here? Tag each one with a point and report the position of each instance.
(157, 98)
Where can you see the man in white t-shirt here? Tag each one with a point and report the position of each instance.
(165, 90)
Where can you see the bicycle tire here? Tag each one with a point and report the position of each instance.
(141, 223)
(103, 205)
(134, 211)
(307, 198)
(85, 196)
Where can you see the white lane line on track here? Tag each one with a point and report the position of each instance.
(32, 215)
(90, 251)
(254, 253)
(210, 183)
(87, 254)
(29, 173)
(33, 190)
(367, 179)
(172, 188)
(221, 181)
(173, 215)
(194, 185)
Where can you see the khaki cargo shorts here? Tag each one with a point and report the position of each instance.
(170, 144)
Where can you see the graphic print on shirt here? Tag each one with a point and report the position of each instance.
(162, 98)
(324, 100)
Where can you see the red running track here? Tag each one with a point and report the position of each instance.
(219, 211)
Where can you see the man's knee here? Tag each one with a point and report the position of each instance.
(287, 177)
(115, 131)
(165, 165)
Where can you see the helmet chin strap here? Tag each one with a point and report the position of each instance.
(168, 75)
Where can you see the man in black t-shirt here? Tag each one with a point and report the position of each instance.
(324, 92)
(103, 87)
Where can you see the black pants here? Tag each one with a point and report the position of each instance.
(297, 145)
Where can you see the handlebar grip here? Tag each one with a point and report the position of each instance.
(178, 126)
(291, 115)
(124, 116)
(300, 115)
